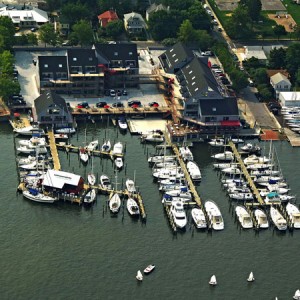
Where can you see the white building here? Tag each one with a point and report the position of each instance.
(289, 99)
(280, 83)
(254, 51)
(134, 23)
(27, 18)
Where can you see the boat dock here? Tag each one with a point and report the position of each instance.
(53, 150)
(246, 173)
(292, 137)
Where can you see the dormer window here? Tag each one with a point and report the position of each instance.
(45, 65)
(60, 65)
(214, 109)
(130, 53)
(90, 58)
(116, 53)
(74, 58)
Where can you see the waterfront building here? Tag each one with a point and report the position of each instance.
(280, 83)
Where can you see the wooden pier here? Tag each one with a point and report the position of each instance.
(293, 137)
(246, 173)
(53, 150)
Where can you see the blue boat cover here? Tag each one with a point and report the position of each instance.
(34, 192)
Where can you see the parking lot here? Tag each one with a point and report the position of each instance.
(146, 93)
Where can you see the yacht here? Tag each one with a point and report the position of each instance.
(278, 219)
(178, 214)
(130, 186)
(33, 142)
(122, 123)
(251, 149)
(254, 159)
(119, 163)
(90, 197)
(106, 146)
(161, 158)
(244, 217)
(214, 215)
(294, 214)
(29, 130)
(232, 171)
(186, 153)
(37, 196)
(66, 130)
(153, 137)
(27, 150)
(217, 142)
(105, 182)
(241, 196)
(118, 148)
(261, 218)
(199, 218)
(193, 170)
(132, 207)
(92, 145)
(114, 203)
(226, 156)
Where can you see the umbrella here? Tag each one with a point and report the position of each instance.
(106, 106)
(17, 115)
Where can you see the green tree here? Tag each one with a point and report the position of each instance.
(84, 33)
(115, 28)
(121, 6)
(252, 63)
(265, 91)
(279, 30)
(72, 12)
(6, 63)
(186, 32)
(293, 59)
(48, 35)
(239, 80)
(54, 4)
(32, 39)
(253, 7)
(277, 58)
(169, 42)
(9, 25)
(260, 76)
(198, 16)
(297, 33)
(178, 4)
(203, 40)
(7, 40)
(8, 87)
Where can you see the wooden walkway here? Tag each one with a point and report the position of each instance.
(293, 137)
(246, 173)
(53, 149)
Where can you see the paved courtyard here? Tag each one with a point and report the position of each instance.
(230, 5)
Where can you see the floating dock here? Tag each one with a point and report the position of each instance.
(53, 150)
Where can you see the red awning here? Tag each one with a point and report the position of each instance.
(230, 123)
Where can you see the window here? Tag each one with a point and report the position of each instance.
(130, 53)
(45, 65)
(90, 59)
(116, 53)
(214, 109)
(74, 58)
(60, 65)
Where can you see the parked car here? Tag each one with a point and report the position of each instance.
(118, 104)
(101, 104)
(119, 93)
(83, 105)
(215, 66)
(134, 102)
(220, 29)
(33, 29)
(225, 81)
(215, 22)
(251, 83)
(274, 105)
(112, 93)
(155, 104)
(207, 53)
(19, 102)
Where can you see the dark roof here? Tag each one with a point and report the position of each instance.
(117, 51)
(221, 107)
(52, 64)
(175, 57)
(82, 57)
(48, 98)
(198, 79)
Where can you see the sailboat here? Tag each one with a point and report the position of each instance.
(115, 201)
(91, 175)
(90, 197)
(139, 276)
(83, 153)
(297, 295)
(250, 277)
(213, 280)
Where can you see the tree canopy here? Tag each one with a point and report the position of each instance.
(48, 35)
(73, 12)
(277, 59)
(83, 32)
(253, 8)
(114, 29)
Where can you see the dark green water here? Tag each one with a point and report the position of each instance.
(63, 251)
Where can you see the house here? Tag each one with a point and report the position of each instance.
(120, 63)
(62, 182)
(206, 102)
(25, 18)
(289, 99)
(51, 109)
(134, 23)
(106, 17)
(153, 8)
(280, 83)
(256, 52)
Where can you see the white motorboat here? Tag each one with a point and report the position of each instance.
(254, 159)
(27, 160)
(250, 148)
(168, 164)
(91, 178)
(83, 154)
(237, 181)
(114, 203)
(61, 136)
(33, 142)
(149, 269)
(178, 214)
(277, 188)
(36, 196)
(261, 218)
(105, 182)
(213, 280)
(264, 172)
(199, 218)
(118, 148)
(90, 197)
(237, 141)
(161, 159)
(139, 276)
(217, 142)
(186, 153)
(29, 130)
(26, 150)
(132, 207)
(267, 179)
(258, 166)
(35, 165)
(297, 295)
(232, 171)
(286, 198)
(225, 165)
(278, 219)
(244, 217)
(119, 162)
(92, 145)
(214, 215)
(66, 130)
(182, 193)
(106, 147)
(226, 156)
(122, 123)
(153, 137)
(250, 277)
(238, 189)
(130, 185)
(166, 173)
(294, 214)
(193, 170)
(241, 196)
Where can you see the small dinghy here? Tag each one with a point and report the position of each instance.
(149, 269)
(119, 163)
(250, 277)
(84, 156)
(297, 295)
(213, 280)
(139, 276)
(91, 179)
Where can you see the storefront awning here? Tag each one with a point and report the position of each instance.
(230, 123)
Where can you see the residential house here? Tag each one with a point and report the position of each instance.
(134, 23)
(207, 102)
(51, 109)
(25, 18)
(106, 17)
(119, 62)
(153, 8)
(280, 83)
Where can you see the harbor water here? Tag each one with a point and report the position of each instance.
(66, 251)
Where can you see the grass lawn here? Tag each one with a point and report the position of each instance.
(293, 9)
